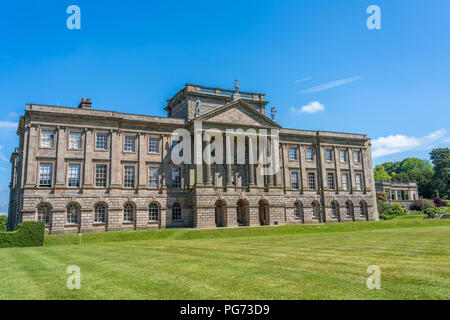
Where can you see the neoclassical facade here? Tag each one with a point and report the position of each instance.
(82, 170)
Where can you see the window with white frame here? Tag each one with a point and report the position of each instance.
(153, 177)
(330, 181)
(100, 213)
(343, 156)
(129, 144)
(73, 214)
(362, 209)
(153, 211)
(101, 143)
(334, 209)
(357, 156)
(358, 181)
(315, 210)
(329, 155)
(309, 154)
(176, 212)
(345, 181)
(292, 153)
(153, 145)
(128, 177)
(176, 178)
(311, 181)
(44, 214)
(294, 180)
(101, 175)
(73, 175)
(47, 139)
(75, 140)
(128, 212)
(348, 209)
(298, 210)
(45, 174)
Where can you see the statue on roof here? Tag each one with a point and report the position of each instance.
(273, 111)
(236, 86)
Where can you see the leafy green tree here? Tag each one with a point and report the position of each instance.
(392, 167)
(441, 160)
(380, 173)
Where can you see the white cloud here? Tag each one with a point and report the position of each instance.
(13, 114)
(8, 125)
(330, 85)
(311, 107)
(384, 146)
(302, 80)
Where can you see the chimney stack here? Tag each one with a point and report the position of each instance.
(85, 103)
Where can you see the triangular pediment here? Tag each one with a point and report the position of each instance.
(238, 112)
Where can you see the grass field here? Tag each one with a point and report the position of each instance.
(291, 262)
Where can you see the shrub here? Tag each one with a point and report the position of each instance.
(396, 209)
(438, 202)
(387, 217)
(27, 234)
(382, 206)
(3, 223)
(418, 205)
(428, 204)
(448, 195)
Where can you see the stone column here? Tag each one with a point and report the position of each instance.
(228, 161)
(142, 151)
(165, 158)
(337, 167)
(323, 169)
(31, 164)
(115, 161)
(208, 163)
(351, 169)
(304, 176)
(198, 156)
(60, 158)
(251, 166)
(280, 172)
(367, 170)
(88, 152)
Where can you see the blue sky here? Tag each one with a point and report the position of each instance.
(317, 62)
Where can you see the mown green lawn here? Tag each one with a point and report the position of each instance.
(292, 262)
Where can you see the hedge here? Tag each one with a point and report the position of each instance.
(27, 234)
(3, 223)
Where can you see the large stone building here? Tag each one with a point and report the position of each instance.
(81, 170)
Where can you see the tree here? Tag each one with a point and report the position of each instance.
(441, 160)
(410, 169)
(380, 173)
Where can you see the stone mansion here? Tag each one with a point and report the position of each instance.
(82, 170)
